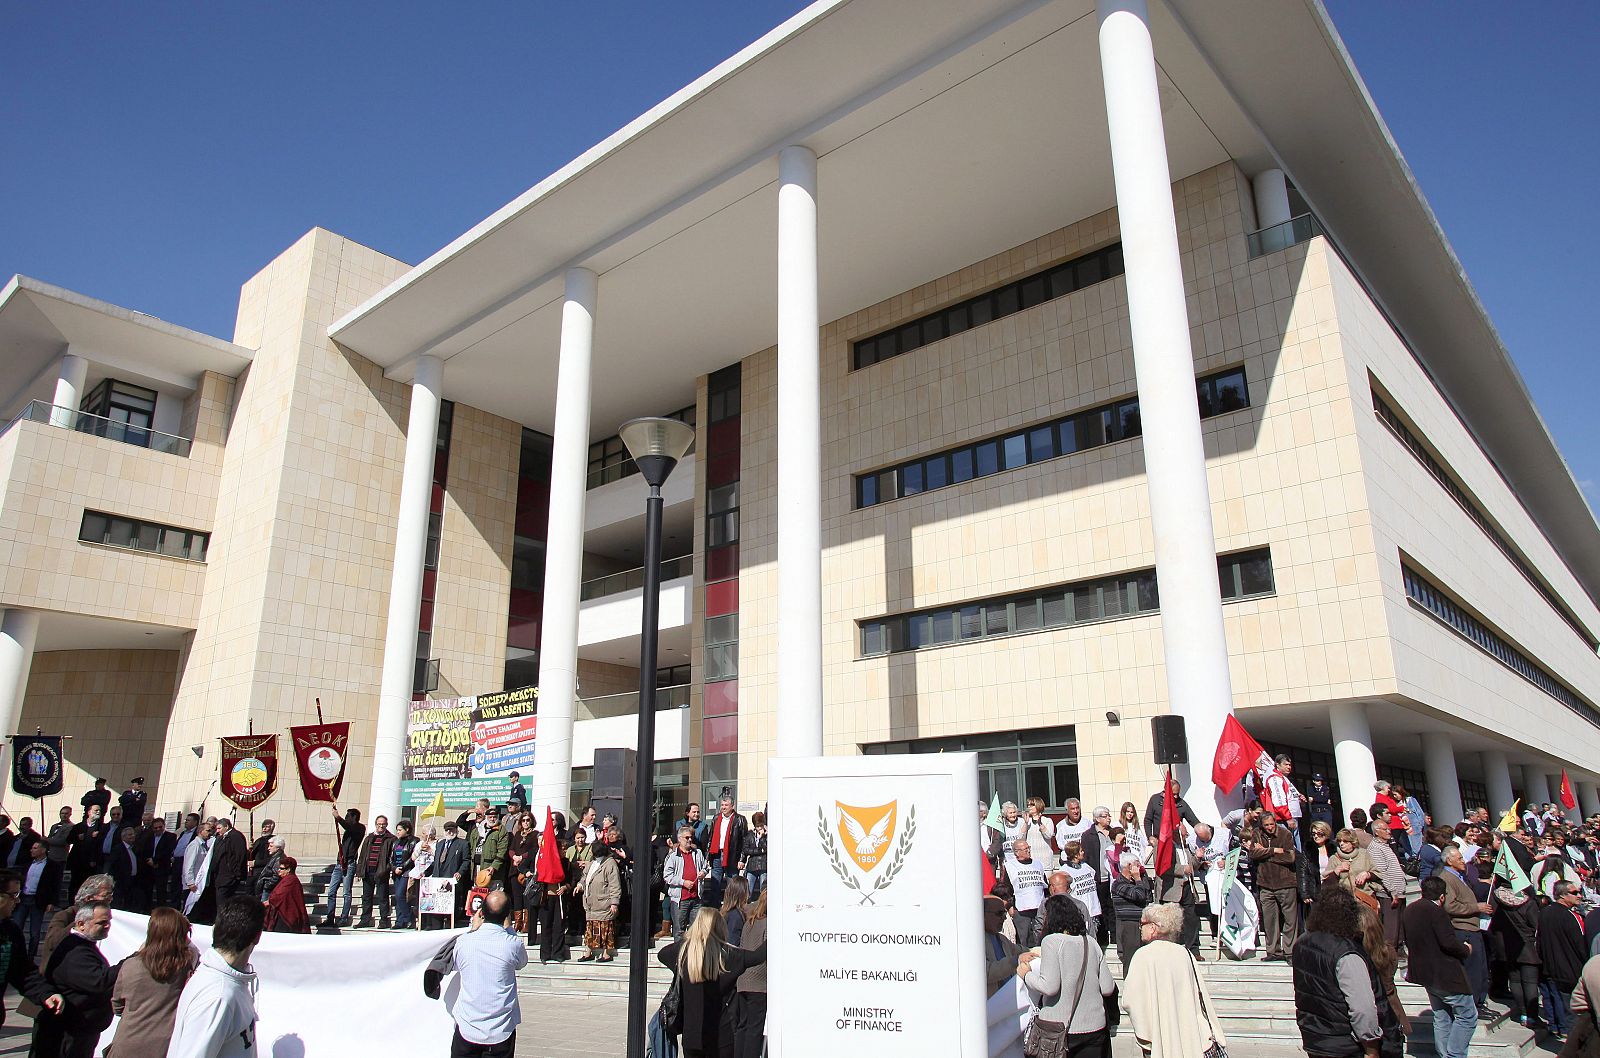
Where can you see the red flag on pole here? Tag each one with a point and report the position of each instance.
(1569, 800)
(1237, 753)
(550, 869)
(988, 874)
(1169, 826)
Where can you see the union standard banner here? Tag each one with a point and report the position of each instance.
(320, 752)
(36, 765)
(249, 769)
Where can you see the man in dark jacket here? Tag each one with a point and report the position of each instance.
(450, 860)
(228, 858)
(352, 834)
(20, 971)
(133, 802)
(1271, 849)
(155, 847)
(84, 858)
(1152, 812)
(81, 975)
(98, 796)
(126, 869)
(258, 848)
(376, 889)
(724, 839)
(19, 855)
(40, 893)
(1437, 962)
(1562, 953)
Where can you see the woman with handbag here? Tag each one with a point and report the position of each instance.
(706, 969)
(519, 867)
(1168, 1005)
(1070, 975)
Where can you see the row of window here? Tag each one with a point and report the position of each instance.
(1012, 765)
(1221, 392)
(1025, 293)
(99, 528)
(1243, 575)
(609, 460)
(1422, 452)
(1425, 594)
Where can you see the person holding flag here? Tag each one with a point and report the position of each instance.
(550, 876)
(1173, 869)
(1516, 922)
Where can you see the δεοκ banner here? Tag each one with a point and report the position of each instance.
(320, 753)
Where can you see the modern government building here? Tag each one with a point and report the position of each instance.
(1052, 367)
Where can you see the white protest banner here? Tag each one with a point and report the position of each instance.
(307, 987)
(436, 896)
(875, 921)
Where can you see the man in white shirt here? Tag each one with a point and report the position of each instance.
(487, 958)
(1027, 885)
(1072, 827)
(197, 865)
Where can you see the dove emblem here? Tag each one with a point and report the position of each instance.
(865, 832)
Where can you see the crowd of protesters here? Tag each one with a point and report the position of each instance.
(1392, 895)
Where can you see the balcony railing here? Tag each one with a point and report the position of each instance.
(627, 703)
(630, 579)
(1291, 232)
(100, 426)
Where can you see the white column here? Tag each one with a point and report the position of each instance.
(799, 460)
(1195, 648)
(1588, 797)
(18, 631)
(1535, 789)
(1444, 788)
(1352, 757)
(1271, 192)
(69, 389)
(563, 563)
(1497, 778)
(405, 588)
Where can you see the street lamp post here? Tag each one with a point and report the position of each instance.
(656, 445)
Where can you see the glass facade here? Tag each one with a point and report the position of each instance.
(526, 606)
(719, 719)
(1015, 765)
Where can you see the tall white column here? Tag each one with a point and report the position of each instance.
(1271, 192)
(69, 389)
(1497, 779)
(563, 564)
(1444, 788)
(405, 587)
(19, 629)
(1195, 648)
(1535, 789)
(1352, 757)
(799, 460)
(1588, 797)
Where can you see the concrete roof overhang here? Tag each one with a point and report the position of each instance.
(942, 139)
(39, 322)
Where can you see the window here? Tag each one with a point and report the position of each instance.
(1014, 765)
(1242, 575)
(1422, 452)
(99, 528)
(1008, 300)
(1425, 595)
(124, 412)
(1092, 428)
(609, 460)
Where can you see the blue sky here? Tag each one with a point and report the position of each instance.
(158, 154)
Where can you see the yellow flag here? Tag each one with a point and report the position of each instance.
(434, 813)
(1508, 822)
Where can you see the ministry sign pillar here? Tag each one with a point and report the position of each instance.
(1195, 648)
(405, 587)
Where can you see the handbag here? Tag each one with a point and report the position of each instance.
(672, 1007)
(1216, 1050)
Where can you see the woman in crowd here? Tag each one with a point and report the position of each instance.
(1071, 977)
(520, 855)
(750, 996)
(1383, 955)
(1114, 850)
(1083, 890)
(1131, 893)
(601, 889)
(1041, 834)
(149, 983)
(1133, 830)
(707, 970)
(1169, 1008)
(400, 863)
(618, 849)
(578, 854)
(1339, 997)
(1313, 864)
(753, 856)
(286, 905)
(421, 865)
(1349, 865)
(735, 907)
(1516, 923)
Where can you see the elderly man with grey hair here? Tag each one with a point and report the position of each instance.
(264, 876)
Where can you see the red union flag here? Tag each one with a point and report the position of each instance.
(320, 751)
(1569, 800)
(249, 769)
(1237, 753)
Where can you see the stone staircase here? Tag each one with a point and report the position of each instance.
(1254, 1003)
